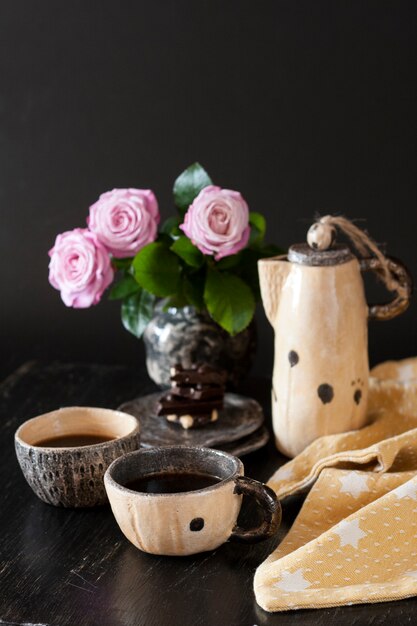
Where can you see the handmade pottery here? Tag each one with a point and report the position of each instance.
(185, 336)
(187, 522)
(73, 476)
(316, 304)
(239, 417)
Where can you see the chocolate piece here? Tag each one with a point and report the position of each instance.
(185, 406)
(204, 374)
(197, 392)
(195, 395)
(193, 421)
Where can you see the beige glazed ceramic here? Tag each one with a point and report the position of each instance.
(188, 522)
(316, 304)
(73, 476)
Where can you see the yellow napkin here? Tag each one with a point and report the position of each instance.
(355, 538)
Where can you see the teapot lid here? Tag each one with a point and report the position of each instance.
(303, 254)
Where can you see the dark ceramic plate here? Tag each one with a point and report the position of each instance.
(247, 444)
(239, 419)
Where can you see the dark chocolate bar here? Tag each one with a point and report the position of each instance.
(168, 404)
(197, 392)
(195, 396)
(193, 421)
(189, 377)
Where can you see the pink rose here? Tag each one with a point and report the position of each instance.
(125, 220)
(80, 268)
(217, 222)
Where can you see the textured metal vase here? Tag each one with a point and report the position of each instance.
(186, 336)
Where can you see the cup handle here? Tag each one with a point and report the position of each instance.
(400, 303)
(268, 502)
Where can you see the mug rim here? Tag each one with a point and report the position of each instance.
(109, 480)
(57, 450)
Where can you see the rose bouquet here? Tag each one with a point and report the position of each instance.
(205, 256)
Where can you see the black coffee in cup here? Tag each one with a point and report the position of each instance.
(179, 500)
(172, 482)
(74, 440)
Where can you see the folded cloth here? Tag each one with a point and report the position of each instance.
(355, 538)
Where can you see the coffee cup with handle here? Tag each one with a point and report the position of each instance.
(181, 500)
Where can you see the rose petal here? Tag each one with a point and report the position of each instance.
(125, 220)
(79, 268)
(217, 222)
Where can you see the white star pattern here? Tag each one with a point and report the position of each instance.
(294, 581)
(407, 489)
(283, 473)
(353, 483)
(349, 533)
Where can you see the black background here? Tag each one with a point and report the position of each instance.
(300, 105)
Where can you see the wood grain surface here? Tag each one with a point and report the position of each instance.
(61, 567)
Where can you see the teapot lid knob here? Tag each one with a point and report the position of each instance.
(321, 235)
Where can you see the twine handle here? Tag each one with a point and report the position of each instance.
(321, 236)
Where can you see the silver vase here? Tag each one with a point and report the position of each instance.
(185, 336)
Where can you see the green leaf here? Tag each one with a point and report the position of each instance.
(178, 301)
(125, 287)
(157, 270)
(248, 270)
(258, 227)
(193, 289)
(189, 184)
(165, 239)
(229, 301)
(137, 312)
(188, 251)
(121, 264)
(228, 262)
(170, 226)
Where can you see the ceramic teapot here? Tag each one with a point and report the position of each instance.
(314, 299)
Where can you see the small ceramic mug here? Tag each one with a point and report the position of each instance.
(186, 522)
(72, 475)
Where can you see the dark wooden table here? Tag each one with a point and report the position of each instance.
(65, 567)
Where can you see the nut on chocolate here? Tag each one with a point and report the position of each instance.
(195, 396)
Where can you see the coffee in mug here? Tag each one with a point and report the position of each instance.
(181, 500)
